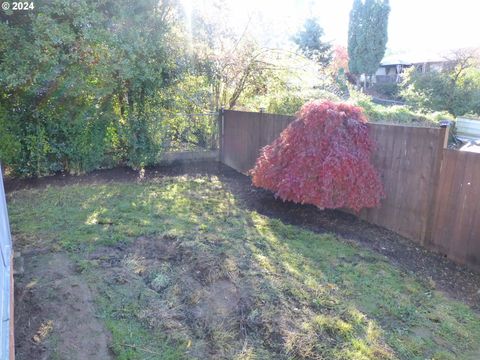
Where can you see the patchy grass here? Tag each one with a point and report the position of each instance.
(180, 270)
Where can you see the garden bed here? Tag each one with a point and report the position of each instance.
(192, 262)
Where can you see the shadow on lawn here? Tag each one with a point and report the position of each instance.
(390, 306)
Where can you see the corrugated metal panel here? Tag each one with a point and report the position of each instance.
(468, 129)
(5, 258)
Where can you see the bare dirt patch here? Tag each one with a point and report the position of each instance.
(54, 313)
(225, 305)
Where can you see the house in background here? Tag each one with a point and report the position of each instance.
(392, 66)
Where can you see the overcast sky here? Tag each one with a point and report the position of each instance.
(413, 25)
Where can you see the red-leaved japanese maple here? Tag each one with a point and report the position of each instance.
(322, 158)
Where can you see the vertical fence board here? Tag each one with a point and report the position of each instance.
(444, 191)
(473, 236)
(458, 204)
(245, 134)
(432, 199)
(405, 158)
(466, 215)
(456, 230)
(409, 216)
(394, 189)
(419, 153)
(381, 160)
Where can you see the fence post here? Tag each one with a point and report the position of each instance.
(433, 195)
(261, 130)
(221, 133)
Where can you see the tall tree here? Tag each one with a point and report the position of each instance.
(309, 41)
(367, 35)
(234, 63)
(355, 37)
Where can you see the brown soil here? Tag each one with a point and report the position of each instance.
(457, 281)
(54, 313)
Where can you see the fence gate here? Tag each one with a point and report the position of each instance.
(5, 276)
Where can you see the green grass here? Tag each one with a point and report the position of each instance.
(307, 295)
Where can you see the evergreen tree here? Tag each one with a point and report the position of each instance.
(355, 37)
(310, 43)
(367, 35)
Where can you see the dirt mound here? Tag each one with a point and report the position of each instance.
(54, 313)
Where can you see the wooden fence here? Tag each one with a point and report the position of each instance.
(456, 220)
(432, 194)
(244, 134)
(406, 158)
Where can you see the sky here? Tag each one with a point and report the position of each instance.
(414, 25)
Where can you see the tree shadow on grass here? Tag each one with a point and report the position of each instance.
(378, 309)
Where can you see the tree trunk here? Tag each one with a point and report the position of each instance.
(121, 103)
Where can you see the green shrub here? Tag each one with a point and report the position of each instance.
(452, 91)
(77, 98)
(389, 90)
(290, 104)
(9, 142)
(396, 114)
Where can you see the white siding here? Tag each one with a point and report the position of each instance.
(5, 258)
(468, 129)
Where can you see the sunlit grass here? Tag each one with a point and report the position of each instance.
(322, 295)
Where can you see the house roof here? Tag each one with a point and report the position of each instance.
(412, 58)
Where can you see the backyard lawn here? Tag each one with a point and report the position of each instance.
(177, 267)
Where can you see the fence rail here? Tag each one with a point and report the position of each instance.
(432, 193)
